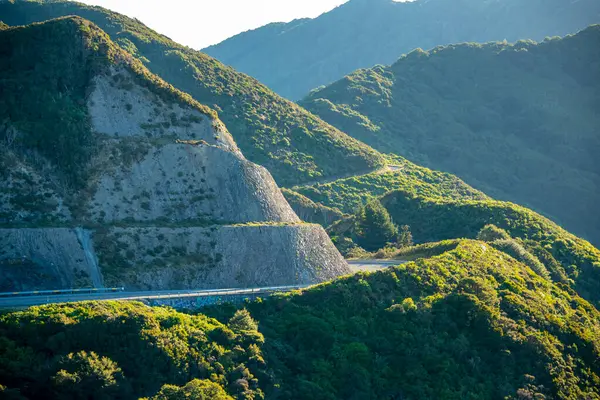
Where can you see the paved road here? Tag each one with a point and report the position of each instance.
(373, 265)
(18, 302)
(28, 301)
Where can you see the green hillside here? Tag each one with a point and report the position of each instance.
(471, 323)
(349, 194)
(293, 144)
(468, 324)
(296, 57)
(570, 260)
(518, 121)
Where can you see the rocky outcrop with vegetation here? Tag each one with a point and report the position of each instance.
(166, 198)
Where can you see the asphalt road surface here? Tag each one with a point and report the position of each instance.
(18, 302)
(373, 265)
(28, 301)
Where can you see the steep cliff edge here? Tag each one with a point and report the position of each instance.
(92, 140)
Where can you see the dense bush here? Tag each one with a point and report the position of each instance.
(374, 228)
(468, 323)
(127, 350)
(490, 233)
(471, 323)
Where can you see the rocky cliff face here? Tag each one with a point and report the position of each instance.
(163, 200)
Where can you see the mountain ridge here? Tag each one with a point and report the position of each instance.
(361, 34)
(533, 142)
(293, 144)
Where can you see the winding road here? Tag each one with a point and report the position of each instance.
(22, 301)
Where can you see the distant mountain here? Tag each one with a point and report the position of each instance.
(518, 121)
(294, 145)
(294, 58)
(109, 176)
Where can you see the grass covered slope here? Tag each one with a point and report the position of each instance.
(349, 194)
(299, 56)
(126, 350)
(293, 144)
(471, 323)
(518, 121)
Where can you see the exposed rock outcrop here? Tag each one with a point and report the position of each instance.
(164, 199)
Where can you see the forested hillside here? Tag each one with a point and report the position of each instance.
(471, 323)
(517, 121)
(293, 144)
(296, 57)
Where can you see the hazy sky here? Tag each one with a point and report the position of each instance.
(200, 23)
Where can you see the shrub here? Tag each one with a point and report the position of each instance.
(518, 252)
(491, 232)
(374, 227)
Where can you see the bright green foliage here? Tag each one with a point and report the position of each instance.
(425, 250)
(518, 121)
(490, 233)
(82, 373)
(374, 228)
(123, 350)
(565, 257)
(242, 321)
(293, 144)
(468, 324)
(514, 249)
(435, 220)
(196, 390)
(350, 194)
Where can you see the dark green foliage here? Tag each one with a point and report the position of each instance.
(296, 57)
(374, 227)
(405, 238)
(518, 121)
(125, 350)
(468, 324)
(47, 72)
(51, 109)
(293, 144)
